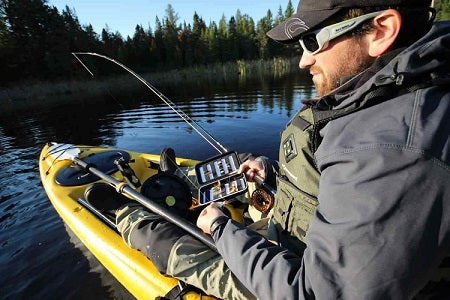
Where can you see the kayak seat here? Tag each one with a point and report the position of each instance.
(167, 161)
(105, 199)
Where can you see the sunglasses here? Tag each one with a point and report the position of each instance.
(317, 40)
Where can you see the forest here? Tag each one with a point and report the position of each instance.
(36, 41)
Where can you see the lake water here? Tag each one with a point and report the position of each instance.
(39, 257)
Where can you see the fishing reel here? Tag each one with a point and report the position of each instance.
(169, 191)
(262, 200)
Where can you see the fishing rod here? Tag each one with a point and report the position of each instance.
(197, 128)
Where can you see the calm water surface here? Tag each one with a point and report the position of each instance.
(39, 257)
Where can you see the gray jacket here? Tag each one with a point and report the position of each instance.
(382, 225)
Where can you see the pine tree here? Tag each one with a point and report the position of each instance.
(186, 41)
(232, 39)
(141, 57)
(222, 36)
(92, 42)
(264, 25)
(29, 29)
(212, 42)
(280, 17)
(289, 10)
(170, 35)
(198, 42)
(245, 28)
(158, 47)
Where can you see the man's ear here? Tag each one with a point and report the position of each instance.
(387, 26)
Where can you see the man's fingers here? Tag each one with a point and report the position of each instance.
(250, 174)
(204, 212)
(243, 167)
(207, 215)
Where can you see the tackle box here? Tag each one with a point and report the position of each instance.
(219, 178)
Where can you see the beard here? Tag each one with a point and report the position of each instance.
(353, 61)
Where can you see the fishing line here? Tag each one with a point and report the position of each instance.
(195, 185)
(92, 74)
(198, 128)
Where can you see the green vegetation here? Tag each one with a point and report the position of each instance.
(36, 41)
(195, 80)
(443, 9)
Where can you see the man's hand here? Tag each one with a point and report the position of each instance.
(207, 216)
(252, 168)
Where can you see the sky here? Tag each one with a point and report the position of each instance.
(124, 15)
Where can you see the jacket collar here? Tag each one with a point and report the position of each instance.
(399, 67)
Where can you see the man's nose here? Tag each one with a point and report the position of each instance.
(306, 61)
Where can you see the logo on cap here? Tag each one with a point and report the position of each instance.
(294, 25)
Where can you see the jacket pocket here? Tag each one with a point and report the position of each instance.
(294, 209)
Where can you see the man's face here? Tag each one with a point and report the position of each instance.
(342, 57)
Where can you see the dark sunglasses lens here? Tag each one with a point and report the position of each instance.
(310, 42)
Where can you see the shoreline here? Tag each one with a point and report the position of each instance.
(44, 94)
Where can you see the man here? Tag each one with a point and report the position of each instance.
(363, 193)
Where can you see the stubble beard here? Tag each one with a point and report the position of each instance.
(353, 61)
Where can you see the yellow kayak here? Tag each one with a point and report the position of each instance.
(130, 267)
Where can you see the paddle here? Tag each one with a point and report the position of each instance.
(70, 152)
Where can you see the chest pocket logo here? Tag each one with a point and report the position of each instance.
(289, 149)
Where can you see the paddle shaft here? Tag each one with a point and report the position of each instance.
(123, 188)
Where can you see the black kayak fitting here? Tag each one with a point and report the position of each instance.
(74, 175)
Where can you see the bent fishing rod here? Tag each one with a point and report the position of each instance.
(197, 128)
(169, 216)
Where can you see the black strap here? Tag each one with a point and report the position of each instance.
(178, 291)
(300, 123)
(173, 294)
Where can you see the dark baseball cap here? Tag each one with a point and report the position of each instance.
(311, 13)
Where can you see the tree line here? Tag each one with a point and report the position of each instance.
(36, 41)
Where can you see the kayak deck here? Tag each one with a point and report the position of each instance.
(130, 267)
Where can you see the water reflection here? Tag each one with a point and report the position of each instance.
(36, 254)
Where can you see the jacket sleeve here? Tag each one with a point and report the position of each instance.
(267, 270)
(378, 232)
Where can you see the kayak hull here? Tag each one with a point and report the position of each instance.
(130, 267)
